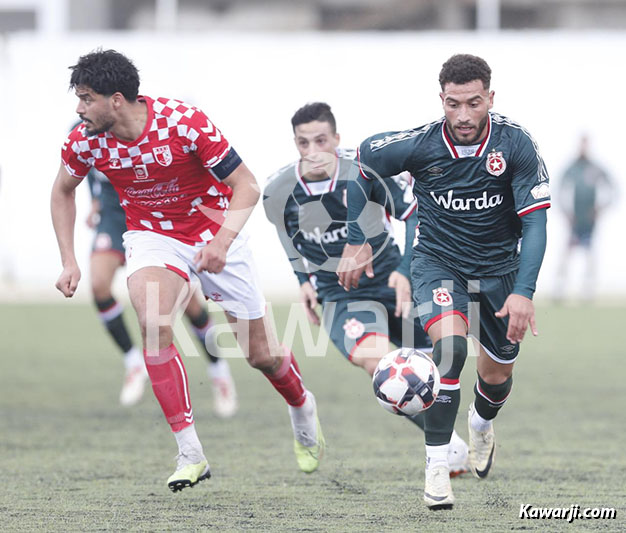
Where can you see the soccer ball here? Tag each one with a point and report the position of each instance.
(406, 382)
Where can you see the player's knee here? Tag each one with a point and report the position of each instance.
(165, 334)
(261, 363)
(450, 353)
(368, 364)
(260, 358)
(496, 374)
(368, 351)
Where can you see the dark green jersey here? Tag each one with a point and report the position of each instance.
(585, 189)
(102, 190)
(311, 220)
(470, 198)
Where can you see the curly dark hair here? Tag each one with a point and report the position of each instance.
(314, 111)
(106, 72)
(463, 68)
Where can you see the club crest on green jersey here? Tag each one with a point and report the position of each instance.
(442, 297)
(354, 328)
(496, 164)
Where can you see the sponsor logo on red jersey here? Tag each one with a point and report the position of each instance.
(141, 172)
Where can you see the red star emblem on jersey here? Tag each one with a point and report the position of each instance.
(442, 297)
(496, 165)
(353, 328)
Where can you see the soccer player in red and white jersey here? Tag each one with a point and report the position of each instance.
(187, 195)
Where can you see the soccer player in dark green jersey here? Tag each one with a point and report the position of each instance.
(306, 201)
(481, 186)
(586, 190)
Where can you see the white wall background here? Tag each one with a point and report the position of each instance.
(557, 85)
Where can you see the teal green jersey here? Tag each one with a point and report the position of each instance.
(470, 198)
(102, 190)
(584, 187)
(311, 220)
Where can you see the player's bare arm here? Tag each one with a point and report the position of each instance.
(63, 208)
(356, 259)
(308, 297)
(521, 313)
(246, 193)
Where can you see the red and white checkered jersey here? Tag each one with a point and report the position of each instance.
(169, 178)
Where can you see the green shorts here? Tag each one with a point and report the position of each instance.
(439, 291)
(349, 321)
(109, 232)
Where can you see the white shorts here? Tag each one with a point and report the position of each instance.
(236, 288)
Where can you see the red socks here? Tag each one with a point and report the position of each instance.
(169, 382)
(288, 382)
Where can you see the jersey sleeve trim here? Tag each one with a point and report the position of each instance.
(529, 209)
(409, 210)
(361, 171)
(72, 172)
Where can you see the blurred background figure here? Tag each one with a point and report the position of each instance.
(585, 192)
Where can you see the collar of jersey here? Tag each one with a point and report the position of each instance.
(452, 149)
(315, 188)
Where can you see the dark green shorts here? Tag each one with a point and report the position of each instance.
(109, 232)
(439, 291)
(349, 321)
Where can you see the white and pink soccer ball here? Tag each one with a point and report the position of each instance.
(406, 382)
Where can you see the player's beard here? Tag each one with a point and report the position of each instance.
(105, 124)
(473, 140)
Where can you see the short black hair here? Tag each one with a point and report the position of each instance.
(106, 72)
(463, 68)
(314, 111)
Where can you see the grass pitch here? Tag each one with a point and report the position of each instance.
(71, 459)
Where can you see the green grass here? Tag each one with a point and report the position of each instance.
(71, 459)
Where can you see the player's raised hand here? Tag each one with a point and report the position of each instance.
(212, 257)
(521, 313)
(68, 280)
(402, 285)
(356, 259)
(308, 296)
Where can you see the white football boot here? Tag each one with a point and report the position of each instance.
(437, 489)
(482, 447)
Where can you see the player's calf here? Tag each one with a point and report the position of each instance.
(449, 353)
(490, 398)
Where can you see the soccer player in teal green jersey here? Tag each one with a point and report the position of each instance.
(298, 200)
(481, 186)
(586, 191)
